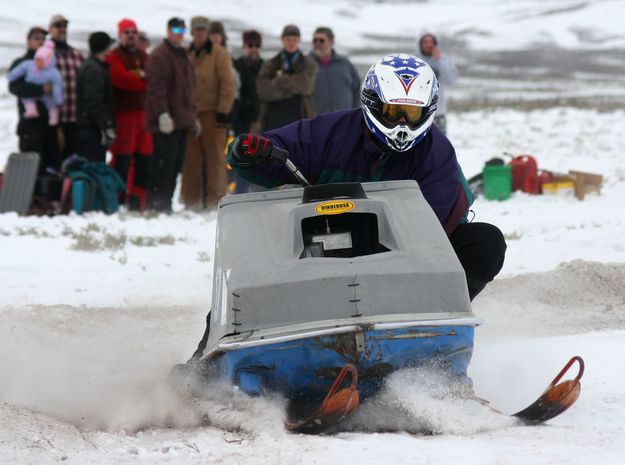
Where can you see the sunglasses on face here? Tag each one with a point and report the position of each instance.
(179, 30)
(60, 25)
(252, 45)
(319, 40)
(130, 31)
(38, 37)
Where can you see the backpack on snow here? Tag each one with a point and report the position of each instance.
(90, 186)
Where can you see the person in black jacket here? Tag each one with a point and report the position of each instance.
(248, 66)
(35, 134)
(95, 118)
(247, 105)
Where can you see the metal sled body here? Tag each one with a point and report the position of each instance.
(309, 280)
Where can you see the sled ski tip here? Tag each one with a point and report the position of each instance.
(557, 397)
(334, 408)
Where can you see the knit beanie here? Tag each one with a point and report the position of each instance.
(99, 42)
(126, 24)
(45, 53)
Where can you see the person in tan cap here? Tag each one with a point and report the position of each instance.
(204, 170)
(286, 84)
(68, 60)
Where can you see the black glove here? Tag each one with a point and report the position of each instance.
(222, 120)
(251, 150)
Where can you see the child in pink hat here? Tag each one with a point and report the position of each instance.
(41, 70)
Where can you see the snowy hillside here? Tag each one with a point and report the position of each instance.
(483, 24)
(94, 309)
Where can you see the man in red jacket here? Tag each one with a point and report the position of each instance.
(133, 144)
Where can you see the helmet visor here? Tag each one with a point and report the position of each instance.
(392, 113)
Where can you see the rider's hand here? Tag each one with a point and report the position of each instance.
(251, 150)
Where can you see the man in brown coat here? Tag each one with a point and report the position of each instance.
(286, 84)
(171, 112)
(204, 171)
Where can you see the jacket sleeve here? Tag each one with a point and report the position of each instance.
(304, 142)
(19, 71)
(267, 87)
(157, 76)
(92, 92)
(301, 82)
(447, 73)
(22, 89)
(355, 86)
(225, 81)
(122, 78)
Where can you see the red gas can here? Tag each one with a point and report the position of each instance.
(544, 176)
(525, 174)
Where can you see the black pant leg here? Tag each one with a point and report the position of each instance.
(32, 133)
(71, 139)
(89, 143)
(178, 144)
(177, 157)
(155, 200)
(122, 165)
(51, 150)
(165, 154)
(143, 170)
(181, 150)
(481, 249)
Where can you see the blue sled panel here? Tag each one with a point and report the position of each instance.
(304, 370)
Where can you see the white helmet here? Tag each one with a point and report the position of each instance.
(399, 97)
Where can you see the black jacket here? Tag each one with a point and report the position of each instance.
(248, 104)
(94, 94)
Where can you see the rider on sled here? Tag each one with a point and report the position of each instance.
(392, 137)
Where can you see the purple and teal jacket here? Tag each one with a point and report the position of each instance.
(337, 147)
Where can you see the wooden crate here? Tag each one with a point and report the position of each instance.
(586, 183)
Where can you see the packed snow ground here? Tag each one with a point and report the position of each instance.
(95, 309)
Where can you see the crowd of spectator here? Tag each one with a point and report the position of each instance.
(169, 110)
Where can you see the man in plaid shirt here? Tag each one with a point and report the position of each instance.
(68, 60)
